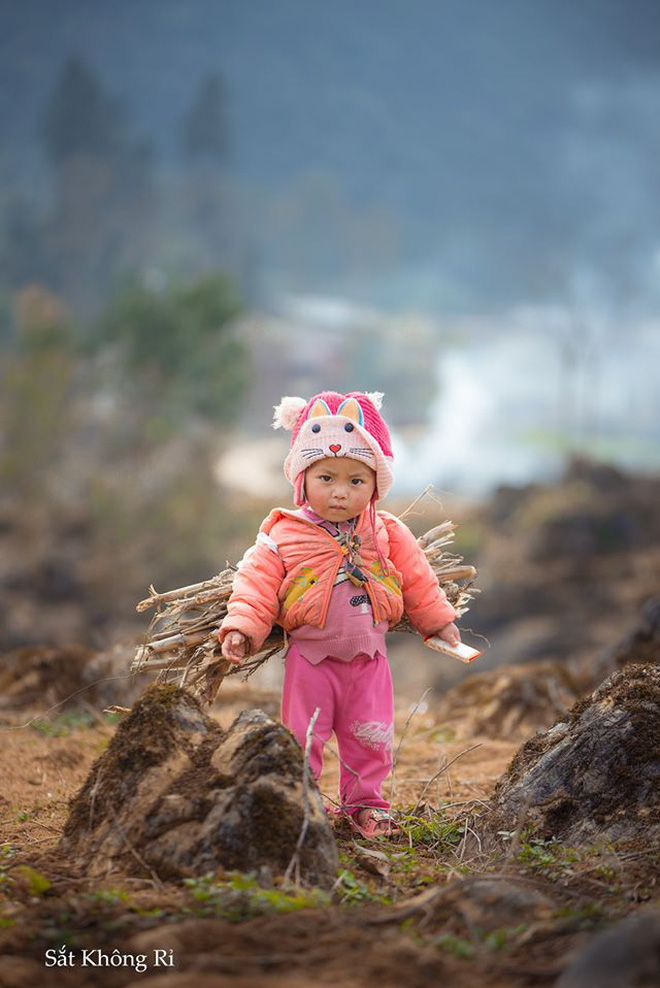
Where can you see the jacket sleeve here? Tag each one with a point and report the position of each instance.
(424, 600)
(254, 605)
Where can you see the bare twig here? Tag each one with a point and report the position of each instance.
(408, 511)
(403, 735)
(294, 863)
(441, 772)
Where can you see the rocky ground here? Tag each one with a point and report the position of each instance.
(459, 896)
(528, 854)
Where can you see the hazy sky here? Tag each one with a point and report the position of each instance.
(503, 143)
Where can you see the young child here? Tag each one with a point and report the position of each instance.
(336, 574)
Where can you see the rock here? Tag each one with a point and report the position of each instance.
(594, 775)
(625, 956)
(175, 795)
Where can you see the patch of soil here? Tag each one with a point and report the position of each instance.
(510, 701)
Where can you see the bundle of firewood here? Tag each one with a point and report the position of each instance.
(182, 639)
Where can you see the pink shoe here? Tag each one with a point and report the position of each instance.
(366, 822)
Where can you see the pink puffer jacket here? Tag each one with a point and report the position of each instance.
(287, 577)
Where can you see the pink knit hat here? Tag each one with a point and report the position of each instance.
(332, 424)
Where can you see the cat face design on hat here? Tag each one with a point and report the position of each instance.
(335, 425)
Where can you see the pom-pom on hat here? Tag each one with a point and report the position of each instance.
(332, 424)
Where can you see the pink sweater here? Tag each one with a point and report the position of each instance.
(349, 628)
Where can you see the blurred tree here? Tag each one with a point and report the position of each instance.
(22, 259)
(36, 378)
(180, 349)
(100, 224)
(80, 118)
(204, 127)
(206, 197)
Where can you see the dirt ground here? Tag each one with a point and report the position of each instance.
(377, 927)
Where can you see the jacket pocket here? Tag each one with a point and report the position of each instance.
(390, 580)
(299, 586)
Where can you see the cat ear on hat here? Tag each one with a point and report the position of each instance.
(351, 410)
(287, 412)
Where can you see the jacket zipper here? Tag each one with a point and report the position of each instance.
(374, 604)
(326, 602)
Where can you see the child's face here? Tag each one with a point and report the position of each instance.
(338, 488)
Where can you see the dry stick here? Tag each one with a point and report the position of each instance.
(161, 598)
(294, 863)
(405, 729)
(421, 903)
(474, 832)
(165, 644)
(326, 744)
(37, 823)
(442, 770)
(94, 712)
(476, 633)
(427, 490)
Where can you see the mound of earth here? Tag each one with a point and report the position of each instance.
(642, 644)
(625, 956)
(595, 510)
(480, 903)
(67, 676)
(509, 702)
(175, 796)
(42, 676)
(595, 774)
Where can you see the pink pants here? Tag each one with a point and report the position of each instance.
(356, 702)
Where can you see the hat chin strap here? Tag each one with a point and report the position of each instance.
(372, 522)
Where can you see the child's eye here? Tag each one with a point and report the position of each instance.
(324, 476)
(356, 481)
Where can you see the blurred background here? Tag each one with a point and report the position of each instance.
(207, 205)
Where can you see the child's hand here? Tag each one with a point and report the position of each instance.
(450, 633)
(235, 647)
